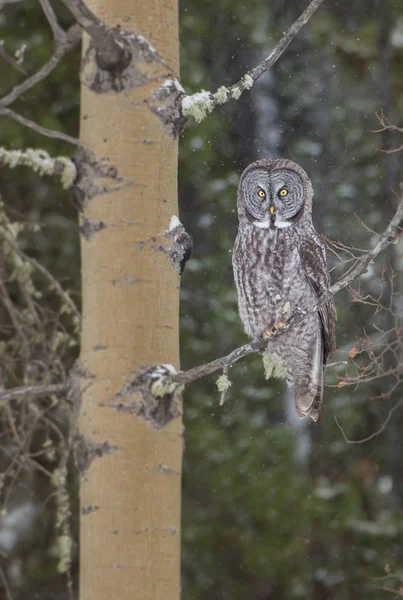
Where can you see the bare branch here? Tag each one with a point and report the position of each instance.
(10, 59)
(200, 104)
(71, 39)
(34, 391)
(4, 2)
(337, 363)
(51, 133)
(386, 125)
(5, 584)
(58, 32)
(386, 588)
(219, 363)
(390, 234)
(285, 40)
(64, 42)
(375, 433)
(65, 297)
(83, 15)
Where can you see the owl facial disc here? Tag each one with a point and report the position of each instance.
(272, 199)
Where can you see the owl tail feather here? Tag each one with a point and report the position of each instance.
(309, 386)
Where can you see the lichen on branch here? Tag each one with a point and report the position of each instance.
(199, 105)
(41, 162)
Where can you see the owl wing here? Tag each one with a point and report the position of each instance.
(313, 260)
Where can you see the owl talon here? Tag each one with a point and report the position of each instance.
(277, 326)
(267, 333)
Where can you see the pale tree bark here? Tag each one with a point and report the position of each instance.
(130, 460)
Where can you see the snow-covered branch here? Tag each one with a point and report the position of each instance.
(199, 105)
(39, 161)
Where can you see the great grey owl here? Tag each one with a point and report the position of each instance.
(279, 265)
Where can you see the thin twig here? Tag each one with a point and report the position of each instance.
(34, 391)
(58, 32)
(386, 125)
(338, 363)
(63, 295)
(5, 584)
(39, 267)
(10, 59)
(385, 588)
(72, 37)
(375, 433)
(51, 133)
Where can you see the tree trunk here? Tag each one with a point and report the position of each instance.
(130, 470)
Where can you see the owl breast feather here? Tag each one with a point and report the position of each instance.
(265, 265)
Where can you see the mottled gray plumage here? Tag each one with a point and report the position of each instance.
(279, 264)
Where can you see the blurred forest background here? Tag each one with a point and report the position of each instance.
(273, 508)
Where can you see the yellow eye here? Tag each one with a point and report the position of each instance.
(261, 194)
(283, 192)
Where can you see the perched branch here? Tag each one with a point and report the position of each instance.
(34, 391)
(388, 237)
(219, 363)
(200, 104)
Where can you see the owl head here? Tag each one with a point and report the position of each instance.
(274, 194)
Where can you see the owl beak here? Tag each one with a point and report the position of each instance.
(272, 210)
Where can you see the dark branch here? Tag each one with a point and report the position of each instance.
(83, 15)
(375, 433)
(64, 43)
(10, 59)
(58, 32)
(71, 39)
(219, 363)
(51, 133)
(389, 236)
(34, 391)
(285, 40)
